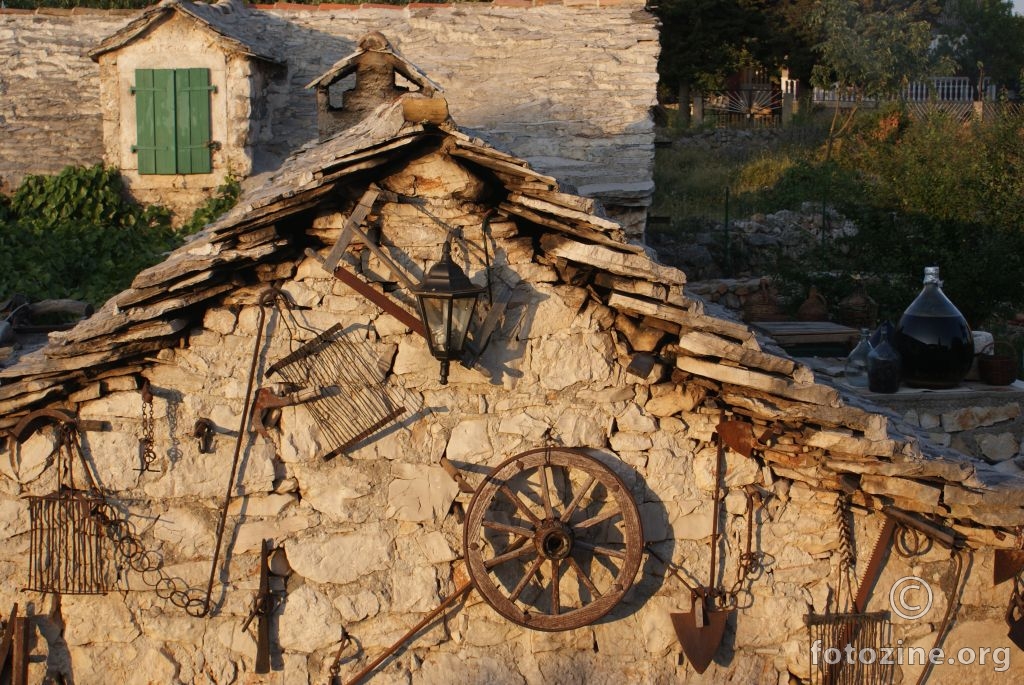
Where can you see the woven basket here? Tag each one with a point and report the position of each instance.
(1000, 367)
(762, 305)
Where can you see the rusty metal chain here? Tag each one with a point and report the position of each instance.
(149, 565)
(335, 669)
(750, 564)
(147, 452)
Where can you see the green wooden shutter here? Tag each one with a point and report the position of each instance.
(172, 113)
(154, 119)
(192, 93)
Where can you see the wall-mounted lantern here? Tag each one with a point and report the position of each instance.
(446, 299)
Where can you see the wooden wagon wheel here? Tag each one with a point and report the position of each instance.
(553, 539)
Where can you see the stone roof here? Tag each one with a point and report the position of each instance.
(800, 428)
(229, 19)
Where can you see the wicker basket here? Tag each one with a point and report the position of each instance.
(1000, 367)
(762, 305)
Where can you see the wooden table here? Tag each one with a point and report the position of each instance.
(804, 334)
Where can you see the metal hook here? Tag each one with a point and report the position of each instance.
(203, 432)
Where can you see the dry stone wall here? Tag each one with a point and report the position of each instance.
(50, 90)
(568, 87)
(374, 540)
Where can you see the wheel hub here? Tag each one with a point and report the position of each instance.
(553, 540)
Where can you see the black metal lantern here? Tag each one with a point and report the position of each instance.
(446, 300)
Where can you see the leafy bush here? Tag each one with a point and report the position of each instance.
(76, 235)
(926, 191)
(224, 199)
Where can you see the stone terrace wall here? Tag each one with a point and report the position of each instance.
(566, 86)
(50, 90)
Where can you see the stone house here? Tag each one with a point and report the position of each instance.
(179, 86)
(568, 86)
(263, 406)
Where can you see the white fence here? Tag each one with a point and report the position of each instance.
(936, 89)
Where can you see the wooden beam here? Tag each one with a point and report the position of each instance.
(700, 344)
(803, 392)
(623, 264)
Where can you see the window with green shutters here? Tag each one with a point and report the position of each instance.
(172, 115)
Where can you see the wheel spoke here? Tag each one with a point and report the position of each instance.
(599, 518)
(509, 556)
(507, 528)
(579, 496)
(516, 523)
(555, 564)
(575, 566)
(534, 567)
(600, 549)
(505, 490)
(545, 494)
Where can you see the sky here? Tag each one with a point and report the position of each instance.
(1018, 6)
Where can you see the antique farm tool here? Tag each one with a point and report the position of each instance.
(1009, 564)
(700, 630)
(21, 649)
(264, 604)
(341, 385)
(340, 658)
(1015, 611)
(851, 625)
(69, 550)
(7, 640)
(553, 539)
(451, 599)
(267, 298)
(203, 431)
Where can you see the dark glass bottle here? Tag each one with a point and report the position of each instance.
(884, 366)
(933, 338)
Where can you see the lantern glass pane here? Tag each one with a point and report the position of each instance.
(460, 323)
(436, 313)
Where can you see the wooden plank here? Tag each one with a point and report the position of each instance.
(579, 232)
(596, 222)
(621, 263)
(687, 319)
(354, 219)
(500, 165)
(703, 344)
(633, 286)
(806, 332)
(873, 426)
(150, 330)
(803, 392)
(579, 203)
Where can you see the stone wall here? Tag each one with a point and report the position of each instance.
(50, 90)
(566, 86)
(374, 540)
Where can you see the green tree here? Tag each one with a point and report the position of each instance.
(704, 41)
(985, 39)
(868, 49)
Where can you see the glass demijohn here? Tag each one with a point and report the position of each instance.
(856, 369)
(933, 338)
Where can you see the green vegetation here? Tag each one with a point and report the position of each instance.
(921, 191)
(77, 235)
